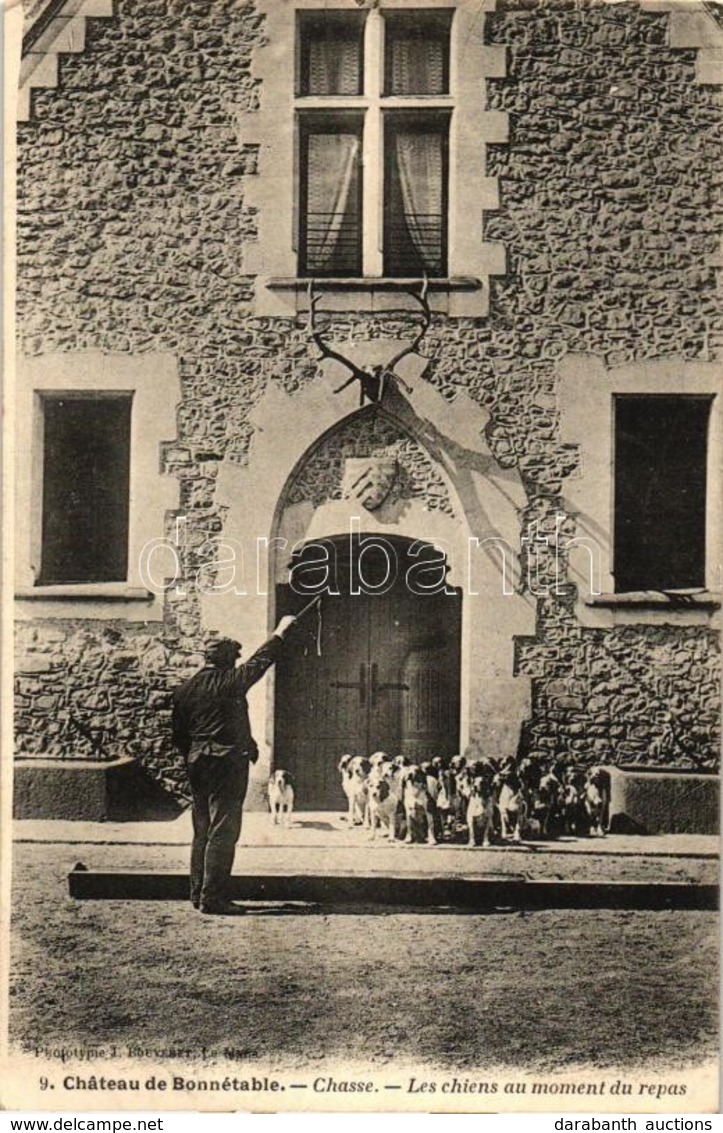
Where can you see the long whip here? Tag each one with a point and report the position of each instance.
(310, 605)
(316, 601)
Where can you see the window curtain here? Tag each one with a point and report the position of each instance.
(417, 64)
(420, 169)
(334, 64)
(332, 166)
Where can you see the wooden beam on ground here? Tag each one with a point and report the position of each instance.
(413, 890)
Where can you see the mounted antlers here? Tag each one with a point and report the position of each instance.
(424, 327)
(373, 383)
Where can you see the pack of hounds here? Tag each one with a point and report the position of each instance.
(486, 800)
(482, 801)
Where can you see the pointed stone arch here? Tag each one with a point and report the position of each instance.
(270, 507)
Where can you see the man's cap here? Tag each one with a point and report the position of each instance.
(221, 648)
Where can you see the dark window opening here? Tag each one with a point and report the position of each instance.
(331, 53)
(416, 52)
(330, 237)
(660, 490)
(86, 482)
(415, 194)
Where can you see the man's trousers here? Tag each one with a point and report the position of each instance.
(218, 784)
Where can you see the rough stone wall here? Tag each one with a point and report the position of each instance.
(608, 209)
(99, 691)
(635, 694)
(608, 216)
(321, 477)
(132, 233)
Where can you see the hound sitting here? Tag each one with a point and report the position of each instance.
(418, 807)
(462, 780)
(480, 810)
(377, 760)
(548, 800)
(447, 799)
(382, 805)
(431, 770)
(512, 805)
(354, 773)
(597, 799)
(281, 797)
(576, 820)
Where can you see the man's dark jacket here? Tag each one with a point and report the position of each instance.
(210, 713)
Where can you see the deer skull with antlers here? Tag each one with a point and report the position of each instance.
(375, 381)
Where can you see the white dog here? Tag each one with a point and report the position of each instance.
(354, 771)
(383, 801)
(281, 797)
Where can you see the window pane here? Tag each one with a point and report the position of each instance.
(331, 202)
(415, 207)
(86, 479)
(660, 485)
(331, 53)
(417, 53)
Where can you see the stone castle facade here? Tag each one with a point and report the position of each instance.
(156, 259)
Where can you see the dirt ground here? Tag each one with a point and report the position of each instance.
(289, 985)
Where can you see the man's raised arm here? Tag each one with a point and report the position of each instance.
(264, 657)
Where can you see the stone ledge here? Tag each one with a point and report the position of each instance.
(704, 599)
(118, 790)
(663, 802)
(93, 592)
(374, 294)
(374, 283)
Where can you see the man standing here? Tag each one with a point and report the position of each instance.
(211, 730)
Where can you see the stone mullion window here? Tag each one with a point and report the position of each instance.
(394, 58)
(373, 136)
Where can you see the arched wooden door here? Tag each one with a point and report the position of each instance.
(375, 671)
